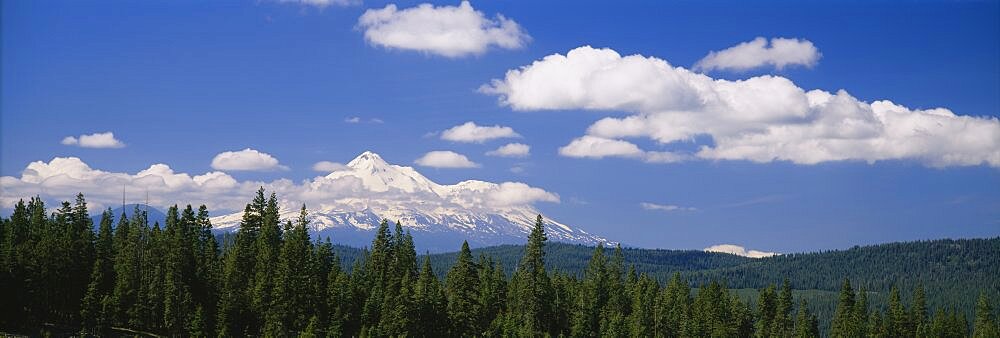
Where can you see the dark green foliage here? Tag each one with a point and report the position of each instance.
(272, 279)
(461, 287)
(984, 324)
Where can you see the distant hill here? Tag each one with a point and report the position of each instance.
(953, 272)
(153, 215)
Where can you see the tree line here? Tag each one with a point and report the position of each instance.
(273, 279)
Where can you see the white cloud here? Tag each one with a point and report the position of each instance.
(739, 251)
(780, 53)
(327, 166)
(356, 119)
(511, 150)
(470, 132)
(760, 119)
(63, 177)
(445, 159)
(516, 193)
(246, 159)
(322, 3)
(448, 31)
(664, 207)
(595, 147)
(96, 140)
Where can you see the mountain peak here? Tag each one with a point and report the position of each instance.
(378, 175)
(367, 160)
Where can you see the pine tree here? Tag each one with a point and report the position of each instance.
(640, 318)
(530, 290)
(782, 325)
(806, 324)
(338, 300)
(613, 315)
(896, 319)
(377, 275)
(674, 302)
(80, 259)
(179, 269)
(918, 312)
(94, 319)
(592, 297)
(15, 246)
(268, 245)
(984, 325)
(128, 239)
(860, 318)
(295, 276)
(766, 311)
(235, 314)
(491, 295)
(204, 289)
(845, 319)
(429, 302)
(461, 285)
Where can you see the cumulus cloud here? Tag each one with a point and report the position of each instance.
(96, 140)
(739, 251)
(327, 166)
(448, 31)
(760, 119)
(246, 160)
(780, 53)
(470, 132)
(63, 177)
(595, 147)
(511, 150)
(322, 3)
(517, 193)
(445, 159)
(664, 207)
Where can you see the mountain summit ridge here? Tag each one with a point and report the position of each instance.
(438, 216)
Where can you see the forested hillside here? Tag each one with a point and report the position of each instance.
(952, 272)
(57, 276)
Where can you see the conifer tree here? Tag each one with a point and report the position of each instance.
(593, 296)
(845, 321)
(767, 310)
(204, 289)
(462, 285)
(896, 319)
(491, 295)
(918, 311)
(530, 291)
(984, 325)
(295, 276)
(94, 318)
(430, 302)
(782, 325)
(806, 324)
(860, 318)
(675, 300)
(268, 245)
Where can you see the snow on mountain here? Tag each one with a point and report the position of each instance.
(438, 216)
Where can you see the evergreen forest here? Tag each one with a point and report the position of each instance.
(62, 275)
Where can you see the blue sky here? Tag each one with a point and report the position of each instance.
(179, 82)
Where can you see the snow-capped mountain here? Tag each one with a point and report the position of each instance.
(353, 201)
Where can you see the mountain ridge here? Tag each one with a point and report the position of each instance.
(437, 215)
